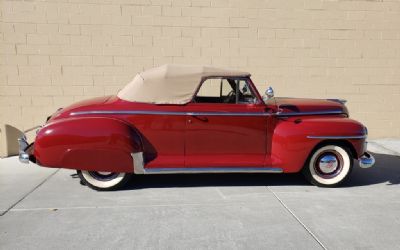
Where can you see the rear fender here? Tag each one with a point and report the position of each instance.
(88, 143)
(295, 138)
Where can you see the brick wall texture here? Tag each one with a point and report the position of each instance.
(53, 53)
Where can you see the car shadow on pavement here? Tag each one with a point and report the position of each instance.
(213, 180)
(386, 170)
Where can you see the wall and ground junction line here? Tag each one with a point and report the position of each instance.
(53, 53)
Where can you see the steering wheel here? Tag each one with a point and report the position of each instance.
(230, 97)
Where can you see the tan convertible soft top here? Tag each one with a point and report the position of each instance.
(171, 84)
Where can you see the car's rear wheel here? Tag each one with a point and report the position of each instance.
(328, 165)
(103, 181)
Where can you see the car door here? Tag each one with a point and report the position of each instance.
(226, 125)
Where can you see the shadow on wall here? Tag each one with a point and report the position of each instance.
(386, 170)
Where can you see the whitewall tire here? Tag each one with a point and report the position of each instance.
(103, 180)
(329, 165)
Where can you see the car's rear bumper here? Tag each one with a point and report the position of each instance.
(366, 160)
(25, 149)
(23, 145)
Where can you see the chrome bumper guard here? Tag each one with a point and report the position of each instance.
(366, 160)
(23, 144)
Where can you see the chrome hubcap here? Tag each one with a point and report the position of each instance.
(328, 164)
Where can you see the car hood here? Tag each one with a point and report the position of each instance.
(305, 105)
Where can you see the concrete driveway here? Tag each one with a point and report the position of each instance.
(48, 209)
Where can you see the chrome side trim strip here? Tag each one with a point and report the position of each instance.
(327, 112)
(149, 112)
(337, 137)
(127, 112)
(216, 113)
(211, 170)
(227, 114)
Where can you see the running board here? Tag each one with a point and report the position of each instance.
(138, 168)
(208, 170)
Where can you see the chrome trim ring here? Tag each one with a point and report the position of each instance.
(329, 164)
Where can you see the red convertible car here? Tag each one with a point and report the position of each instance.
(197, 119)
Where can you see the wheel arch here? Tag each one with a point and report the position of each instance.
(339, 142)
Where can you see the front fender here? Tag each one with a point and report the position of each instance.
(294, 139)
(87, 143)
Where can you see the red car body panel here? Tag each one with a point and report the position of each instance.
(220, 141)
(87, 143)
(170, 136)
(290, 145)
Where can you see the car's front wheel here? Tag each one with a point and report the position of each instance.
(329, 165)
(103, 181)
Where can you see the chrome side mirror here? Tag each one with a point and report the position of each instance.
(269, 93)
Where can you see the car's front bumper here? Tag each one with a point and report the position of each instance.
(366, 160)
